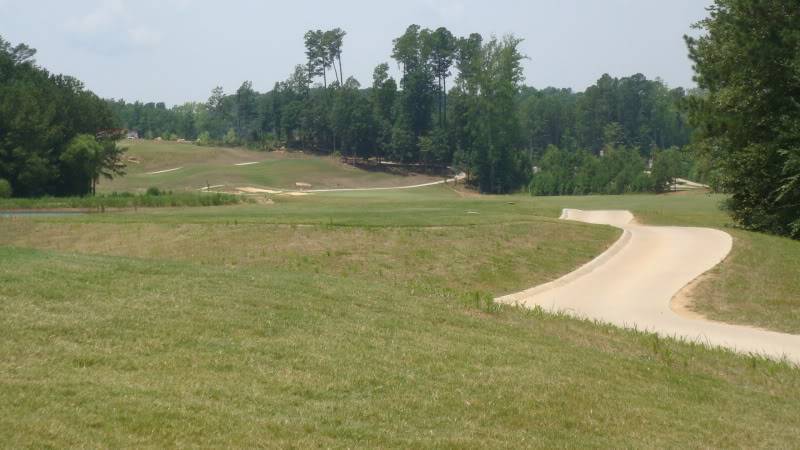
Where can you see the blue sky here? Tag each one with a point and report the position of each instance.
(178, 50)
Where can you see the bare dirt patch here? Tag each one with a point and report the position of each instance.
(682, 302)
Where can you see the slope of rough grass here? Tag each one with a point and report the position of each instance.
(346, 320)
(211, 166)
(112, 351)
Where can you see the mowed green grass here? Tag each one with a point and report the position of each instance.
(211, 166)
(349, 320)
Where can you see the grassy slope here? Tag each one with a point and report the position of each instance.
(346, 320)
(759, 283)
(202, 166)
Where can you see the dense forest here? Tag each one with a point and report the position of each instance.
(459, 102)
(54, 134)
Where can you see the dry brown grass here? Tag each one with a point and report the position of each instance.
(493, 258)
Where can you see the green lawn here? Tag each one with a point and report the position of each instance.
(350, 320)
(211, 166)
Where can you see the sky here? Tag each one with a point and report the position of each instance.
(178, 50)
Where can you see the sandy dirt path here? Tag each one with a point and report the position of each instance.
(458, 177)
(163, 171)
(632, 284)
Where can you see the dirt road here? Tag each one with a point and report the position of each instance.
(633, 283)
(459, 177)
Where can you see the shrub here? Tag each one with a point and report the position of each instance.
(271, 142)
(204, 138)
(5, 188)
(230, 138)
(153, 191)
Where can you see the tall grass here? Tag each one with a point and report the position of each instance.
(124, 200)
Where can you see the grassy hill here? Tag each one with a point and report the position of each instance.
(210, 166)
(352, 320)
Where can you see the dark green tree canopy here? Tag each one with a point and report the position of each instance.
(40, 116)
(748, 120)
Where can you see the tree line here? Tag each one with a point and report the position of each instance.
(748, 123)
(55, 136)
(619, 170)
(459, 101)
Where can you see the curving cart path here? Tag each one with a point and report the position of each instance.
(634, 281)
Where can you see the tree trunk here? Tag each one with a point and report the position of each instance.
(441, 90)
(444, 92)
(339, 57)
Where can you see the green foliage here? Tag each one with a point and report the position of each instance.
(154, 191)
(403, 146)
(630, 111)
(748, 119)
(486, 121)
(204, 138)
(81, 159)
(323, 51)
(620, 170)
(41, 118)
(270, 142)
(435, 146)
(5, 188)
(666, 167)
(86, 159)
(230, 138)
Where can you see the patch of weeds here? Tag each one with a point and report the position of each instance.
(483, 301)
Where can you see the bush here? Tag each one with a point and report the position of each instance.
(5, 188)
(153, 191)
(271, 142)
(204, 138)
(230, 138)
